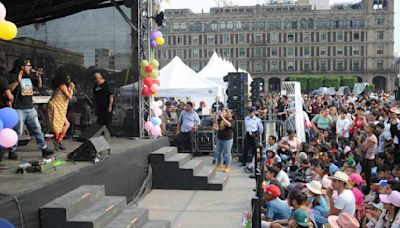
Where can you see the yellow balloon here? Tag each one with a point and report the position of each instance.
(144, 63)
(154, 74)
(160, 41)
(154, 63)
(8, 30)
(143, 73)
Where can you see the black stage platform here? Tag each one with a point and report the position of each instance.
(122, 174)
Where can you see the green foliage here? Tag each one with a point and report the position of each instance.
(332, 81)
(303, 82)
(348, 81)
(371, 88)
(315, 82)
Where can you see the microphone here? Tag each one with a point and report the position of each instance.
(33, 70)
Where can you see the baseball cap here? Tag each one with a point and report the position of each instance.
(273, 190)
(392, 198)
(351, 162)
(356, 178)
(303, 218)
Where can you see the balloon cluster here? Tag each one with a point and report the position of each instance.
(153, 126)
(8, 119)
(149, 72)
(8, 30)
(156, 39)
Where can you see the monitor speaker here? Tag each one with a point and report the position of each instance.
(95, 131)
(96, 148)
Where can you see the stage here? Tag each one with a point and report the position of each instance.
(122, 174)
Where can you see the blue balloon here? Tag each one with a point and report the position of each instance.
(155, 121)
(6, 224)
(9, 117)
(1, 125)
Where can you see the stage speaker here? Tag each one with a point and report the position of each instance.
(95, 131)
(96, 148)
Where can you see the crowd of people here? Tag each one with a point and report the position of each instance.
(345, 174)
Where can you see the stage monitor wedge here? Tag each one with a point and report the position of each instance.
(91, 150)
(95, 131)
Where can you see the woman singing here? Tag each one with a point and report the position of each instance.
(225, 125)
(57, 107)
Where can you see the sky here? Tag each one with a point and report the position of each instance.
(199, 5)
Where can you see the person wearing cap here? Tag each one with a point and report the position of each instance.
(345, 220)
(391, 202)
(345, 201)
(316, 200)
(355, 180)
(302, 216)
(254, 128)
(187, 126)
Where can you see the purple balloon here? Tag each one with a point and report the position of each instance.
(158, 34)
(153, 35)
(153, 44)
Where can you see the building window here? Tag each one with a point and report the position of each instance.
(197, 26)
(294, 24)
(356, 65)
(327, 23)
(290, 37)
(246, 25)
(274, 51)
(242, 52)
(258, 52)
(242, 38)
(307, 51)
(258, 38)
(258, 67)
(380, 21)
(274, 37)
(379, 64)
(278, 24)
(271, 24)
(379, 49)
(287, 24)
(254, 25)
(176, 26)
(339, 65)
(210, 39)
(210, 52)
(339, 36)
(322, 51)
(322, 36)
(356, 35)
(195, 67)
(214, 26)
(195, 53)
(230, 25)
(274, 66)
(183, 26)
(307, 66)
(179, 40)
(226, 38)
(323, 65)
(242, 66)
(380, 35)
(222, 25)
(303, 23)
(195, 39)
(356, 51)
(290, 66)
(339, 51)
(262, 24)
(306, 37)
(238, 25)
(290, 51)
(320, 23)
(179, 53)
(310, 23)
(163, 54)
(226, 52)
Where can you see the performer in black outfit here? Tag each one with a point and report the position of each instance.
(103, 97)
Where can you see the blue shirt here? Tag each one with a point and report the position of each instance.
(276, 209)
(187, 120)
(253, 124)
(322, 202)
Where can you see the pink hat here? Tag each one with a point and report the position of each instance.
(356, 178)
(392, 198)
(345, 220)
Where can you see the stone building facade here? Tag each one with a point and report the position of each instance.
(275, 41)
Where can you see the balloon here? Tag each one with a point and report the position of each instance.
(9, 117)
(155, 81)
(153, 44)
(146, 91)
(157, 112)
(159, 103)
(1, 125)
(8, 30)
(3, 12)
(158, 35)
(143, 73)
(154, 74)
(156, 121)
(153, 35)
(154, 88)
(160, 41)
(154, 63)
(8, 138)
(148, 125)
(149, 69)
(148, 81)
(155, 131)
(144, 63)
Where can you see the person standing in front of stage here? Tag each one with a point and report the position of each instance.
(6, 97)
(225, 124)
(57, 107)
(104, 99)
(254, 129)
(21, 84)
(188, 123)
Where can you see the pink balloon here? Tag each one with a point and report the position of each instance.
(155, 88)
(153, 35)
(148, 125)
(158, 34)
(8, 138)
(3, 12)
(156, 131)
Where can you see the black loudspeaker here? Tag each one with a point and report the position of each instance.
(257, 87)
(96, 148)
(237, 93)
(95, 131)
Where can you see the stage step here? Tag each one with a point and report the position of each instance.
(172, 170)
(87, 206)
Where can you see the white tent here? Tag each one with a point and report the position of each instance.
(179, 80)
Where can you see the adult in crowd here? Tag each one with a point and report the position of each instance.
(277, 211)
(369, 149)
(202, 105)
(226, 124)
(288, 145)
(187, 126)
(104, 99)
(271, 173)
(21, 83)
(345, 201)
(217, 105)
(6, 97)
(57, 107)
(254, 129)
(322, 122)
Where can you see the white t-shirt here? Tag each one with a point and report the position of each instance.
(385, 136)
(283, 178)
(346, 202)
(341, 125)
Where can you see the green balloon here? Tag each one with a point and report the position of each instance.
(154, 63)
(144, 63)
(154, 74)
